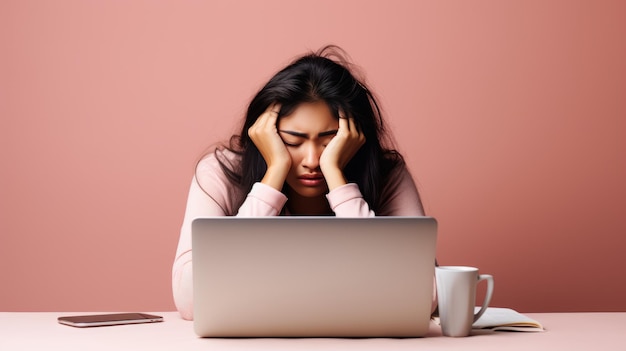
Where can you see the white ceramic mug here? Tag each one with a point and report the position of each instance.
(456, 293)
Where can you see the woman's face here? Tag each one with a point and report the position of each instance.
(306, 132)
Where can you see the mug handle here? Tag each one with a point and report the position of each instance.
(489, 279)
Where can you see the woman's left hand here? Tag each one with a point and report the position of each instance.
(340, 151)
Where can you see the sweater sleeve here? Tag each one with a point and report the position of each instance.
(399, 198)
(347, 201)
(199, 204)
(263, 200)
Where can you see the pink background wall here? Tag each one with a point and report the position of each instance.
(511, 114)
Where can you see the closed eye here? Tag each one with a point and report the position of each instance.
(291, 136)
(291, 144)
(326, 137)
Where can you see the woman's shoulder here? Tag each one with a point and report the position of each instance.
(215, 174)
(400, 195)
(397, 177)
(393, 166)
(222, 160)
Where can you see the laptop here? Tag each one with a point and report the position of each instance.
(313, 276)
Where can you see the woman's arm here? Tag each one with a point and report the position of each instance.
(198, 205)
(210, 195)
(340, 150)
(399, 198)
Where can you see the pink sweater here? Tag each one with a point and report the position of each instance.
(211, 194)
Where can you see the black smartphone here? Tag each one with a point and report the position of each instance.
(99, 320)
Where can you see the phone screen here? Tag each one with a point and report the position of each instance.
(109, 319)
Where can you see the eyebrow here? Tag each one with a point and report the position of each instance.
(305, 135)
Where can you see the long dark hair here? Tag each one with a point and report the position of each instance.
(320, 76)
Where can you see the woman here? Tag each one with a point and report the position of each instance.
(313, 143)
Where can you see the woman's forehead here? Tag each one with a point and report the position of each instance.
(312, 117)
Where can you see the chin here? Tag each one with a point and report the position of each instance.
(310, 192)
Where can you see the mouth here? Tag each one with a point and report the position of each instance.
(311, 179)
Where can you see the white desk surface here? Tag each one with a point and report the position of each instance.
(564, 331)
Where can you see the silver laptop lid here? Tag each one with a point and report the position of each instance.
(313, 276)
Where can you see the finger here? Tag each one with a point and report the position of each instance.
(344, 124)
(343, 118)
(275, 107)
(271, 120)
(341, 113)
(356, 132)
(272, 115)
(265, 118)
(354, 128)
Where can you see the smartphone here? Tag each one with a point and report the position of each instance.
(100, 320)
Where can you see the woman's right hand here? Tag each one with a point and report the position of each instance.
(264, 135)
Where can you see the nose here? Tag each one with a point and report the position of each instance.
(311, 159)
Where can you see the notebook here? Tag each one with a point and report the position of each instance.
(313, 276)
